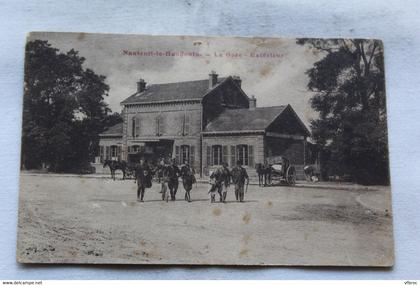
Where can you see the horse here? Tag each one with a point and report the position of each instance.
(188, 179)
(267, 174)
(115, 165)
(264, 174)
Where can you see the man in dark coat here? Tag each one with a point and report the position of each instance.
(239, 175)
(143, 179)
(173, 174)
(188, 179)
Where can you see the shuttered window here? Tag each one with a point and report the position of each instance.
(135, 148)
(232, 155)
(161, 124)
(107, 152)
(251, 155)
(192, 156)
(217, 154)
(242, 153)
(137, 127)
(177, 154)
(157, 122)
(133, 127)
(225, 154)
(119, 153)
(208, 156)
(101, 153)
(185, 154)
(114, 150)
(186, 125)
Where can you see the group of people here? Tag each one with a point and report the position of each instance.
(168, 176)
(221, 180)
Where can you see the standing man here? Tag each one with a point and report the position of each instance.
(226, 177)
(188, 179)
(239, 175)
(143, 179)
(173, 174)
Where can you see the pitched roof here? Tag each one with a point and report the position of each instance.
(115, 130)
(235, 120)
(186, 90)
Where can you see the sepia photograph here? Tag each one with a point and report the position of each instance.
(189, 150)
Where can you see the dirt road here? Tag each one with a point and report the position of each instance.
(89, 220)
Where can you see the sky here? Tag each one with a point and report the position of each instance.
(271, 69)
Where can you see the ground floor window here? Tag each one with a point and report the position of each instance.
(115, 152)
(216, 154)
(101, 153)
(242, 152)
(185, 154)
(107, 152)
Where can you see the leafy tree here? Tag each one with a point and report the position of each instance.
(63, 111)
(351, 130)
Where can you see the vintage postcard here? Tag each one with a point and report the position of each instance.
(204, 151)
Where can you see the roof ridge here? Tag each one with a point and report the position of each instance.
(256, 108)
(177, 82)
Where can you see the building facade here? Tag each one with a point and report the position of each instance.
(203, 122)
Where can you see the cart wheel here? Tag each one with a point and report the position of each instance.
(291, 176)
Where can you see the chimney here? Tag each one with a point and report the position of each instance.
(212, 79)
(237, 80)
(252, 102)
(141, 85)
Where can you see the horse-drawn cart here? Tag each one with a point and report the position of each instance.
(281, 170)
